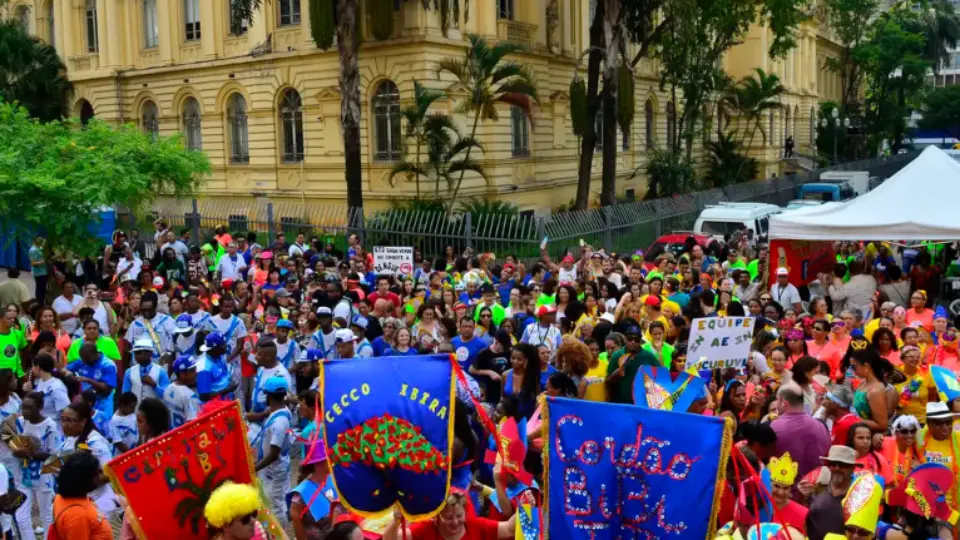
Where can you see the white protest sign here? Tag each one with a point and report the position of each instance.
(393, 260)
(719, 342)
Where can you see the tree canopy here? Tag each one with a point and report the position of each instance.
(54, 176)
(941, 110)
(31, 73)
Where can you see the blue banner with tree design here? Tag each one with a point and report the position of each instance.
(388, 428)
(638, 473)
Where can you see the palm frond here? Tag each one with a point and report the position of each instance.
(456, 67)
(464, 143)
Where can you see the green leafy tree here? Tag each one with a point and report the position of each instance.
(489, 80)
(417, 128)
(54, 176)
(941, 30)
(850, 21)
(755, 97)
(727, 164)
(669, 173)
(480, 206)
(941, 110)
(32, 74)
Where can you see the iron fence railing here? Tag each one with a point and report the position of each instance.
(621, 228)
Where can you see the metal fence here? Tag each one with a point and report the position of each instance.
(622, 227)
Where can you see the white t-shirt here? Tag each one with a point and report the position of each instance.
(785, 296)
(48, 433)
(224, 326)
(55, 397)
(123, 429)
(258, 398)
(133, 265)
(62, 305)
(276, 432)
(230, 268)
(183, 403)
(11, 407)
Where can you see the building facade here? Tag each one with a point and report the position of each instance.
(263, 101)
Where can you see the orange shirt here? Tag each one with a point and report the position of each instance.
(63, 340)
(827, 352)
(925, 317)
(876, 463)
(78, 519)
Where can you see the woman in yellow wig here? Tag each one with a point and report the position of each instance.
(232, 513)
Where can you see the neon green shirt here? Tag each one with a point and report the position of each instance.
(11, 344)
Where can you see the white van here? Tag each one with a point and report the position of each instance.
(722, 219)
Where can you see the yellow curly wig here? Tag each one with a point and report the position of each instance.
(230, 501)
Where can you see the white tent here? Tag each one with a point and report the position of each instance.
(921, 202)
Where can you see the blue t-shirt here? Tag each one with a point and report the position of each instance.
(213, 375)
(410, 352)
(380, 346)
(544, 375)
(104, 371)
(467, 351)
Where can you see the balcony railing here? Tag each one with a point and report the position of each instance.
(516, 32)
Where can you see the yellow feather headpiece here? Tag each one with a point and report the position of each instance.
(783, 470)
(230, 501)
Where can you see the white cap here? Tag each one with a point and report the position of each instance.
(782, 271)
(143, 344)
(345, 336)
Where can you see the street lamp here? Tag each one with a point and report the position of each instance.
(835, 122)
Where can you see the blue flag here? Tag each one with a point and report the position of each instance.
(657, 388)
(638, 473)
(388, 429)
(947, 384)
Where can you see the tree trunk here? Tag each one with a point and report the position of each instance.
(589, 143)
(348, 44)
(611, 62)
(466, 158)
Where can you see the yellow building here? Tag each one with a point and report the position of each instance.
(263, 102)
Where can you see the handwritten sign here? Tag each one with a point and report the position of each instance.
(719, 342)
(634, 474)
(168, 480)
(388, 428)
(393, 260)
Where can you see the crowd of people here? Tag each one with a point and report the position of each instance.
(110, 353)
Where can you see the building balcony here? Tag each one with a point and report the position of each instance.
(84, 62)
(516, 32)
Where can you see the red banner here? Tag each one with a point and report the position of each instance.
(805, 259)
(168, 480)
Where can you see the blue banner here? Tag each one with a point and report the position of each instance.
(639, 473)
(947, 384)
(388, 429)
(657, 388)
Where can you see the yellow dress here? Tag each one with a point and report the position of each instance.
(595, 378)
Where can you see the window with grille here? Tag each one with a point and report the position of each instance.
(149, 120)
(237, 120)
(386, 122)
(291, 225)
(191, 20)
(151, 30)
(650, 125)
(237, 28)
(51, 25)
(289, 12)
(90, 14)
(505, 9)
(191, 123)
(519, 132)
(291, 126)
(238, 222)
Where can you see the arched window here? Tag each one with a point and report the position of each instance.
(51, 25)
(291, 126)
(149, 120)
(151, 30)
(92, 31)
(289, 12)
(237, 119)
(386, 122)
(191, 20)
(671, 124)
(519, 132)
(23, 16)
(505, 9)
(191, 123)
(86, 112)
(650, 124)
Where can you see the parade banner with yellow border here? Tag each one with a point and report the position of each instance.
(168, 480)
(635, 473)
(388, 428)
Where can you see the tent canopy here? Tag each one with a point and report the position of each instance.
(917, 203)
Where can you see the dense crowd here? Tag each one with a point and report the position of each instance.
(115, 350)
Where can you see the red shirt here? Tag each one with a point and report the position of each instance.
(390, 297)
(841, 427)
(476, 529)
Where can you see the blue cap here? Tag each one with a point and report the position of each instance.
(285, 323)
(213, 339)
(184, 324)
(276, 385)
(311, 355)
(633, 330)
(184, 362)
(360, 321)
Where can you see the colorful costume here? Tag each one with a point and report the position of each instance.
(861, 505)
(783, 471)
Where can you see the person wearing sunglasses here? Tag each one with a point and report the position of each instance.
(941, 444)
(945, 354)
(232, 512)
(901, 450)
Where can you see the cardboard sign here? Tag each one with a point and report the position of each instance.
(805, 259)
(393, 260)
(388, 429)
(639, 473)
(168, 480)
(718, 343)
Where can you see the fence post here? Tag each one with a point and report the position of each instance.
(657, 222)
(607, 229)
(468, 228)
(271, 226)
(195, 223)
(541, 228)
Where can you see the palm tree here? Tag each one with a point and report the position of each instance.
(489, 80)
(416, 120)
(32, 74)
(941, 30)
(754, 96)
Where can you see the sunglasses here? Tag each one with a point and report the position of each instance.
(839, 324)
(634, 338)
(907, 431)
(247, 519)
